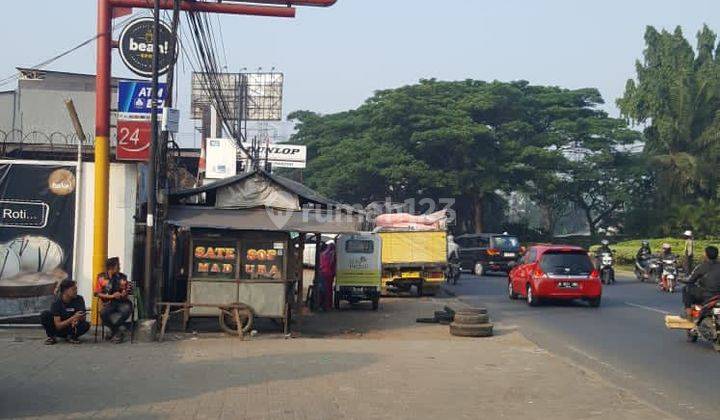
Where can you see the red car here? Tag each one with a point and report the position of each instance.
(555, 272)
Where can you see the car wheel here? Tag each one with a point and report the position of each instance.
(511, 293)
(479, 269)
(531, 299)
(594, 303)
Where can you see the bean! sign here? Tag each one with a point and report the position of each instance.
(133, 140)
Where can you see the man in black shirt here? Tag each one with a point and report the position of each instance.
(66, 317)
(704, 283)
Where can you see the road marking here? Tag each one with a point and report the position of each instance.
(648, 308)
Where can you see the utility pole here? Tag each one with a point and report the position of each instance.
(148, 289)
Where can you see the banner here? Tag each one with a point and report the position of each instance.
(37, 226)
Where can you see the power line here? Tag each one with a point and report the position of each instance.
(15, 76)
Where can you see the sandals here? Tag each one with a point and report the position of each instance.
(51, 341)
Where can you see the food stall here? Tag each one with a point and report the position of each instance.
(237, 246)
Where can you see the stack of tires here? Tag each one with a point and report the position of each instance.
(471, 322)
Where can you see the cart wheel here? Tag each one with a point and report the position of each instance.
(227, 320)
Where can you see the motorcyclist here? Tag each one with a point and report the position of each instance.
(643, 253)
(704, 282)
(603, 249)
(453, 249)
(667, 251)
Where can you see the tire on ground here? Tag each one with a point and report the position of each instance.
(471, 319)
(477, 330)
(471, 311)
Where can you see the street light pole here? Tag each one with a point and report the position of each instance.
(148, 285)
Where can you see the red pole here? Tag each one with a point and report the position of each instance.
(225, 8)
(102, 137)
(318, 3)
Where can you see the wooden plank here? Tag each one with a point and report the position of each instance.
(675, 322)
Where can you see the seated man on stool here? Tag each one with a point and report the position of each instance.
(66, 317)
(113, 288)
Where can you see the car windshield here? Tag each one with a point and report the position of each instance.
(566, 263)
(506, 242)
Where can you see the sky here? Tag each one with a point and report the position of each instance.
(334, 59)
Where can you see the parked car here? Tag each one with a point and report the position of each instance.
(555, 272)
(483, 252)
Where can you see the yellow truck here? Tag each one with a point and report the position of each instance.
(413, 258)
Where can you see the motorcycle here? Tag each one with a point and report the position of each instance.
(607, 272)
(646, 269)
(706, 318)
(669, 276)
(452, 272)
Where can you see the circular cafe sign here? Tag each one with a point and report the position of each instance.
(61, 182)
(136, 47)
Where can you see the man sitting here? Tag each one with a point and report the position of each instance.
(704, 283)
(66, 317)
(113, 289)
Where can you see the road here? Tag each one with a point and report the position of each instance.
(624, 340)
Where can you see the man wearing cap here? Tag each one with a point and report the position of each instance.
(689, 251)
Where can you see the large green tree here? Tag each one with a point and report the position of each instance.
(468, 140)
(676, 96)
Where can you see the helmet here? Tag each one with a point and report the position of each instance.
(688, 233)
(605, 242)
(666, 246)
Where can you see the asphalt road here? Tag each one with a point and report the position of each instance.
(625, 340)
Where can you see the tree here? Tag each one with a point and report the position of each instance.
(677, 97)
(469, 140)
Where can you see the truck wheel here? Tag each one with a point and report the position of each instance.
(479, 269)
(375, 304)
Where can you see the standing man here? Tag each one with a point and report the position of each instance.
(113, 288)
(689, 251)
(66, 317)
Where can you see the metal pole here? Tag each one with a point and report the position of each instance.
(102, 138)
(148, 286)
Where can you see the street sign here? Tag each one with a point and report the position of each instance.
(136, 47)
(170, 120)
(281, 155)
(133, 140)
(134, 99)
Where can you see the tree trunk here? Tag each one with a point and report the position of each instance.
(591, 223)
(478, 202)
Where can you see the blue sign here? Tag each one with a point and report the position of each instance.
(135, 97)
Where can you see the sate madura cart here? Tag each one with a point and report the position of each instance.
(237, 247)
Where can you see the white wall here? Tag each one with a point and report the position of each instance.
(121, 230)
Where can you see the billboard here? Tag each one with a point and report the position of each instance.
(248, 96)
(37, 234)
(279, 155)
(221, 158)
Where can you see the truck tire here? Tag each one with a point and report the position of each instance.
(471, 319)
(477, 330)
(471, 311)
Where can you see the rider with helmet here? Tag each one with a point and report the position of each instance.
(704, 283)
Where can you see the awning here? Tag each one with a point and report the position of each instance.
(303, 221)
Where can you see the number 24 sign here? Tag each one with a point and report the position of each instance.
(133, 140)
